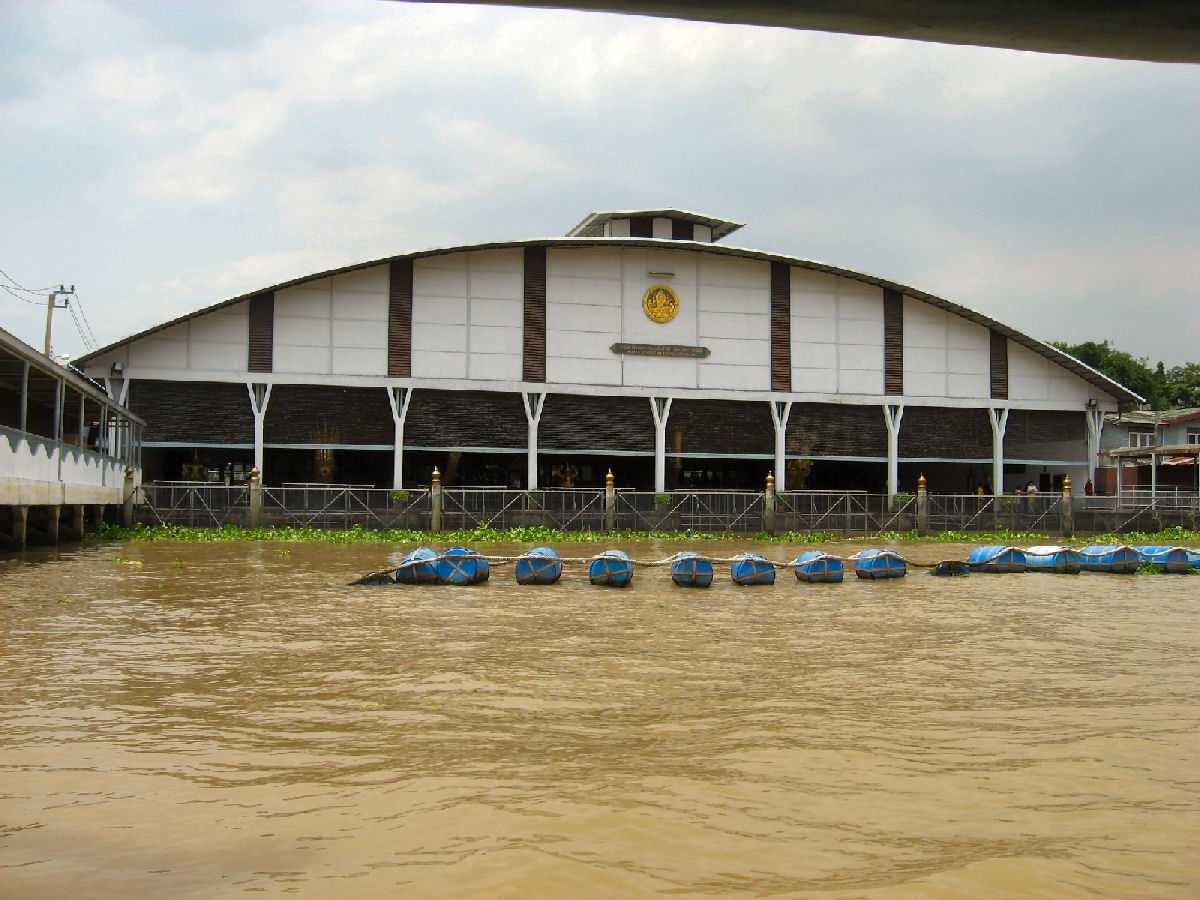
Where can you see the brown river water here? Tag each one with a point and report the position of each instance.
(202, 721)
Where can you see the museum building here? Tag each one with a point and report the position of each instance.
(638, 343)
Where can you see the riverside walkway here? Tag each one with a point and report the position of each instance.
(66, 447)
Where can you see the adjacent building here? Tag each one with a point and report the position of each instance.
(639, 342)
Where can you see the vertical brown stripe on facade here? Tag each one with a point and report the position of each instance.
(999, 366)
(681, 230)
(262, 333)
(400, 297)
(641, 226)
(781, 327)
(534, 365)
(893, 342)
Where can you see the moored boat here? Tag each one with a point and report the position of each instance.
(751, 569)
(817, 566)
(1062, 560)
(462, 565)
(413, 571)
(875, 564)
(950, 568)
(541, 565)
(612, 568)
(997, 558)
(1194, 558)
(1116, 558)
(1165, 558)
(690, 569)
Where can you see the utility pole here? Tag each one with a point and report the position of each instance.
(51, 305)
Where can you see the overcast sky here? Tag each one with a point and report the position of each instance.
(164, 156)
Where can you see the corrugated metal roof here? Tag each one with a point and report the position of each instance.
(1058, 357)
(1153, 416)
(592, 224)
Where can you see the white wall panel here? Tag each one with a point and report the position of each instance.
(731, 324)
(735, 378)
(438, 310)
(227, 326)
(363, 281)
(439, 337)
(702, 233)
(435, 364)
(312, 302)
(301, 359)
(492, 340)
(220, 357)
(503, 313)
(577, 317)
(495, 366)
(571, 370)
(304, 332)
(860, 382)
(584, 344)
(358, 333)
(659, 372)
(359, 361)
(814, 380)
(662, 228)
(157, 353)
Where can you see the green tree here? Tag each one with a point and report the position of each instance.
(1183, 386)
(1124, 368)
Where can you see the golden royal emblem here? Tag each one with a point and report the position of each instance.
(660, 303)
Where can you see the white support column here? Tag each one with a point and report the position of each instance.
(893, 415)
(661, 414)
(1095, 427)
(999, 421)
(25, 397)
(533, 415)
(780, 411)
(399, 414)
(1153, 476)
(260, 398)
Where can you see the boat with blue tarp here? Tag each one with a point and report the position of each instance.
(690, 569)
(541, 565)
(875, 563)
(462, 565)
(818, 566)
(1166, 558)
(1194, 558)
(612, 568)
(1062, 560)
(413, 571)
(751, 569)
(1120, 559)
(997, 558)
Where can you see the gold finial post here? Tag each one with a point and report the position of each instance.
(609, 481)
(437, 476)
(1066, 485)
(771, 482)
(921, 482)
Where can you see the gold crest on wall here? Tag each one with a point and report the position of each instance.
(660, 303)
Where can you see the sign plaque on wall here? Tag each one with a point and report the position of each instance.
(681, 351)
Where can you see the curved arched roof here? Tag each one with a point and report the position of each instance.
(1058, 357)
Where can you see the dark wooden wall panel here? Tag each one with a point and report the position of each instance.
(641, 227)
(206, 412)
(832, 429)
(533, 367)
(1030, 432)
(262, 333)
(597, 423)
(720, 426)
(999, 366)
(781, 327)
(945, 433)
(893, 342)
(682, 230)
(399, 340)
(325, 414)
(465, 419)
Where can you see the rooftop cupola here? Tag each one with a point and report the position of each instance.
(668, 224)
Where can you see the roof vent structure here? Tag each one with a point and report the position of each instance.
(666, 224)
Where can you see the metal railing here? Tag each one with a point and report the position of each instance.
(983, 512)
(344, 506)
(569, 510)
(195, 504)
(849, 511)
(690, 511)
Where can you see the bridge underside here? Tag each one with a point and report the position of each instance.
(1154, 30)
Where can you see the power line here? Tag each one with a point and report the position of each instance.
(22, 287)
(86, 321)
(19, 297)
(87, 343)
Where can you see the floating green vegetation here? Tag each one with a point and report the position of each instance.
(541, 535)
